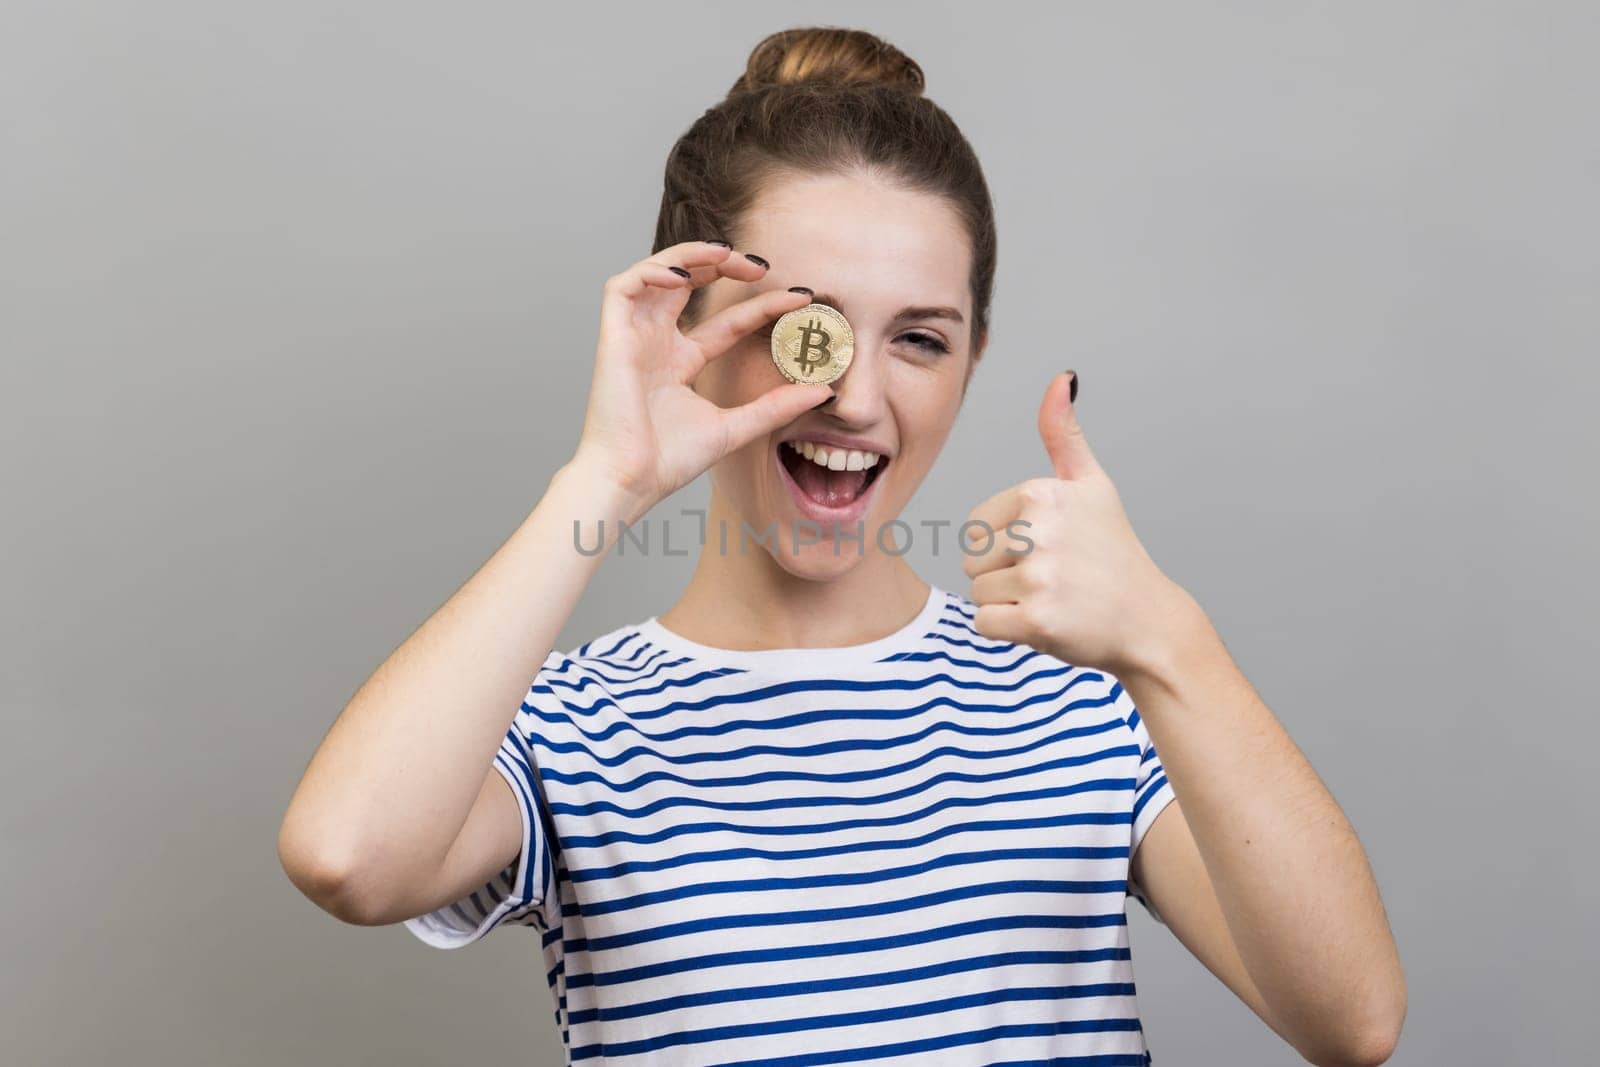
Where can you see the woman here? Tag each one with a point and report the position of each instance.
(819, 810)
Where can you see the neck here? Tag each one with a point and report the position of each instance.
(747, 601)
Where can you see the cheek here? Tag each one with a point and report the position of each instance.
(926, 400)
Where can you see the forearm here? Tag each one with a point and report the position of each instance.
(393, 781)
(1290, 874)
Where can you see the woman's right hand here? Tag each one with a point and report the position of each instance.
(646, 430)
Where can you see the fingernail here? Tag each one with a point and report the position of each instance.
(680, 272)
(1072, 393)
(824, 400)
(719, 241)
(752, 257)
(802, 289)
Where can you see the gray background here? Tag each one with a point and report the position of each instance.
(298, 314)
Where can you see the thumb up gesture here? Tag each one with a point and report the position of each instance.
(1073, 580)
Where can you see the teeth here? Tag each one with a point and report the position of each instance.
(836, 459)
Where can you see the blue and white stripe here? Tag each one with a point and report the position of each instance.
(908, 848)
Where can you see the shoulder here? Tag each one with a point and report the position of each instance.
(954, 624)
(954, 639)
(611, 660)
(955, 642)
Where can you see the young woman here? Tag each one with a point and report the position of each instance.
(819, 810)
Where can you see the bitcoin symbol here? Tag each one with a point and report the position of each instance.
(813, 344)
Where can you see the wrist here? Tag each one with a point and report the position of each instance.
(581, 514)
(1176, 633)
(596, 493)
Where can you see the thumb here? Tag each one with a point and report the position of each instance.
(1058, 427)
(774, 408)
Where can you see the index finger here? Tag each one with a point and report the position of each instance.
(995, 514)
(722, 331)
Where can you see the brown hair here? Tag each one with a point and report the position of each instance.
(825, 100)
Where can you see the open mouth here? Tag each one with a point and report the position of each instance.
(829, 482)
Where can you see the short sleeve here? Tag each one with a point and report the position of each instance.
(515, 895)
(1151, 792)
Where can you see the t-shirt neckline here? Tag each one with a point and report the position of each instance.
(901, 640)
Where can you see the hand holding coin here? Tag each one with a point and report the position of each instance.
(647, 432)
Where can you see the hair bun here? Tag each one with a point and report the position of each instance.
(829, 54)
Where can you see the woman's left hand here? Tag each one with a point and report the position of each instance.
(1086, 592)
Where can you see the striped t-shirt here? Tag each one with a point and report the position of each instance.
(909, 851)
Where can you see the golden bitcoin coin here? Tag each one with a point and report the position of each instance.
(813, 345)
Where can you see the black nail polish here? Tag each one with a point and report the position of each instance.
(718, 241)
(752, 257)
(802, 289)
(679, 271)
(1072, 392)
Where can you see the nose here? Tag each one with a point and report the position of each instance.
(861, 396)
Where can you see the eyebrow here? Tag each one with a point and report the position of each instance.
(905, 314)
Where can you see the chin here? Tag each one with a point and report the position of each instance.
(816, 562)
